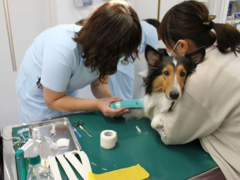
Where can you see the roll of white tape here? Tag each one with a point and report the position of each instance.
(108, 139)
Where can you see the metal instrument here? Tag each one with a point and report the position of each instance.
(80, 125)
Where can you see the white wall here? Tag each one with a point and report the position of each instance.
(65, 11)
(166, 5)
(146, 8)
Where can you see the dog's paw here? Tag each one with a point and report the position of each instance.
(155, 125)
(134, 114)
(156, 122)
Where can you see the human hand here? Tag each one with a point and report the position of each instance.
(103, 105)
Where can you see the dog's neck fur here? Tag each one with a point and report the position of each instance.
(156, 103)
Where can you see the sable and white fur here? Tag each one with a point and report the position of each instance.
(165, 81)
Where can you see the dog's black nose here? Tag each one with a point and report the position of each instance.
(174, 95)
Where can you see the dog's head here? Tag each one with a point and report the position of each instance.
(167, 74)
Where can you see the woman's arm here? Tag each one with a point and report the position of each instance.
(59, 101)
(188, 121)
(101, 90)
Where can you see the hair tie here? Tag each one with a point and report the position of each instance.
(209, 22)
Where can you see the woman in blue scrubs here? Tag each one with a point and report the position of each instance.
(66, 58)
(122, 82)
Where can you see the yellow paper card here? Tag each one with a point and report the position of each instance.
(136, 172)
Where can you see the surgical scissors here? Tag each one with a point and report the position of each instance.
(80, 125)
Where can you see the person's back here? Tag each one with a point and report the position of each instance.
(55, 37)
(222, 76)
(29, 86)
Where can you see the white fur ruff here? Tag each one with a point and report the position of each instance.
(155, 105)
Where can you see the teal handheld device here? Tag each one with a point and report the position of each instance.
(129, 104)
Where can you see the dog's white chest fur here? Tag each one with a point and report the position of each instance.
(157, 103)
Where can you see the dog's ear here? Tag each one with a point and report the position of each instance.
(197, 56)
(152, 55)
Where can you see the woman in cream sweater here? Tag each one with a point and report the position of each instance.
(210, 105)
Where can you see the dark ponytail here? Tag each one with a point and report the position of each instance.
(191, 20)
(227, 37)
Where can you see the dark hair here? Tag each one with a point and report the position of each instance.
(156, 24)
(191, 20)
(110, 32)
(81, 22)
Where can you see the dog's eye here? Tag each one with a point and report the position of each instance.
(166, 73)
(182, 74)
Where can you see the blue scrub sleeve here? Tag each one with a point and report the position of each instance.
(153, 39)
(150, 37)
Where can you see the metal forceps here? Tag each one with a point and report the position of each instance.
(80, 125)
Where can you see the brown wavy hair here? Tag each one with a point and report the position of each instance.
(190, 20)
(110, 32)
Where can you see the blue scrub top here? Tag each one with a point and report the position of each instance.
(54, 61)
(121, 83)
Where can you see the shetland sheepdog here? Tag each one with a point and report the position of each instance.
(164, 82)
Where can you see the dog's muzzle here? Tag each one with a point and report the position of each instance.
(174, 94)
